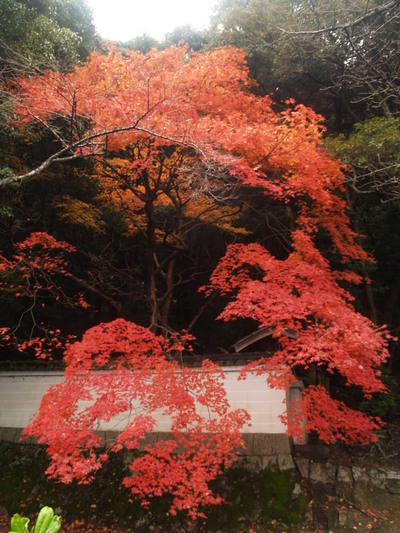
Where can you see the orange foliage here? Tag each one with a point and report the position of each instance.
(200, 103)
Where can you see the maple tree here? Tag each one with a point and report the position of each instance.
(179, 132)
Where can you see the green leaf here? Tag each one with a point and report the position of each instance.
(18, 524)
(55, 525)
(44, 520)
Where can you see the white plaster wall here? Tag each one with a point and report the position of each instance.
(21, 394)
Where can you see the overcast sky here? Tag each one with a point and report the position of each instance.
(122, 20)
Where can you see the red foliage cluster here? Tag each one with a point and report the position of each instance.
(35, 275)
(300, 295)
(331, 419)
(121, 371)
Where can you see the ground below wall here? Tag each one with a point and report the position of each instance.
(355, 489)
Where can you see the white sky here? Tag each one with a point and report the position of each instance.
(122, 20)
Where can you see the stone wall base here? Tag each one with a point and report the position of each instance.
(352, 497)
(261, 451)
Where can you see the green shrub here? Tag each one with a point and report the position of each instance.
(47, 522)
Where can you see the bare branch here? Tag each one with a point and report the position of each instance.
(94, 290)
(351, 24)
(85, 143)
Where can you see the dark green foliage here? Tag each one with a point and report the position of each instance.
(372, 151)
(386, 406)
(196, 39)
(144, 43)
(261, 498)
(46, 31)
(276, 493)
